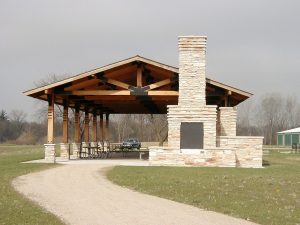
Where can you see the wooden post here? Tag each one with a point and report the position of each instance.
(86, 125)
(107, 128)
(139, 76)
(229, 99)
(50, 135)
(94, 134)
(226, 100)
(101, 128)
(77, 126)
(65, 122)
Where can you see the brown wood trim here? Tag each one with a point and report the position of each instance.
(159, 84)
(65, 122)
(50, 133)
(163, 93)
(139, 77)
(82, 85)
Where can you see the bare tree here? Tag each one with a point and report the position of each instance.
(245, 118)
(18, 117)
(159, 126)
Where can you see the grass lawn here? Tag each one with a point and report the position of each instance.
(14, 208)
(266, 196)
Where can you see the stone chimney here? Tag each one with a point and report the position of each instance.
(192, 80)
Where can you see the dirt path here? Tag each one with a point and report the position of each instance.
(80, 194)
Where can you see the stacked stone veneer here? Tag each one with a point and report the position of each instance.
(247, 150)
(223, 157)
(50, 153)
(221, 146)
(178, 114)
(76, 150)
(226, 121)
(192, 79)
(64, 151)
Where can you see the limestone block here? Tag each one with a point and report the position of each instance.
(205, 114)
(94, 144)
(75, 149)
(216, 157)
(192, 83)
(64, 151)
(50, 153)
(248, 150)
(226, 121)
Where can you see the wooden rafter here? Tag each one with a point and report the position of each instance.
(135, 85)
(82, 84)
(118, 93)
(159, 84)
(100, 92)
(111, 98)
(163, 93)
(118, 83)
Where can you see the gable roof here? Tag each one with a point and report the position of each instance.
(133, 85)
(136, 58)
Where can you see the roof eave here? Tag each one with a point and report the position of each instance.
(123, 62)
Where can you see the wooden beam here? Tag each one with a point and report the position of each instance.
(77, 125)
(164, 98)
(229, 101)
(118, 83)
(82, 85)
(163, 93)
(86, 125)
(116, 93)
(48, 91)
(50, 134)
(139, 77)
(125, 99)
(111, 98)
(65, 122)
(100, 92)
(159, 84)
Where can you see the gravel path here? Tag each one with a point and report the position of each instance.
(80, 194)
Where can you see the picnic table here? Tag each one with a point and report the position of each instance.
(101, 151)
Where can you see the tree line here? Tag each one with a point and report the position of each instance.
(268, 115)
(15, 129)
(264, 117)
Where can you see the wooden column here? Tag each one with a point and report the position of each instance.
(86, 125)
(94, 134)
(227, 99)
(65, 122)
(139, 76)
(101, 128)
(50, 136)
(107, 128)
(77, 126)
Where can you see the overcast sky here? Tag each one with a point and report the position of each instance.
(253, 45)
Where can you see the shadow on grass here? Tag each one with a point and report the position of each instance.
(265, 163)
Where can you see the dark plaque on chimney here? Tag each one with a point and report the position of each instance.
(191, 136)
